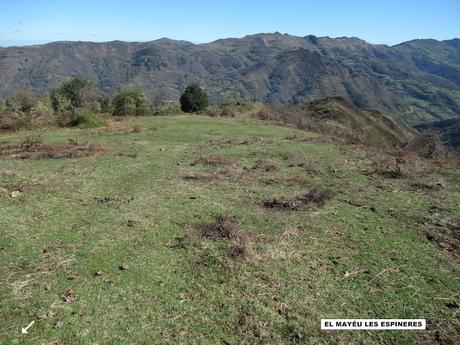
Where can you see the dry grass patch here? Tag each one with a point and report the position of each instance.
(228, 172)
(317, 196)
(301, 162)
(444, 232)
(387, 168)
(261, 165)
(32, 148)
(119, 126)
(212, 160)
(222, 229)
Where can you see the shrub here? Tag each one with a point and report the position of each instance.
(193, 99)
(427, 145)
(13, 105)
(42, 112)
(11, 121)
(81, 92)
(166, 108)
(75, 93)
(130, 102)
(12, 118)
(26, 99)
(59, 102)
(106, 107)
(86, 120)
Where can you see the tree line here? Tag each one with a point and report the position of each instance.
(79, 102)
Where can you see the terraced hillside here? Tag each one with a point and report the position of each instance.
(189, 229)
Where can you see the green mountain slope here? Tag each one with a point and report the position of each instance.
(416, 81)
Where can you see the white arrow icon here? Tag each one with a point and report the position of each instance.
(24, 329)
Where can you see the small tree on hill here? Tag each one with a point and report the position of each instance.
(193, 99)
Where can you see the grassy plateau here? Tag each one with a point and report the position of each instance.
(198, 230)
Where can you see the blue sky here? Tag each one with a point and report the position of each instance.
(384, 21)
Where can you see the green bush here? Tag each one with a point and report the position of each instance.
(60, 103)
(130, 102)
(13, 105)
(76, 93)
(80, 91)
(86, 120)
(166, 108)
(193, 99)
(106, 107)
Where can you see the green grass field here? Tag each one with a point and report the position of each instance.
(379, 248)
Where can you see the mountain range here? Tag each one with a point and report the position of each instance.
(416, 81)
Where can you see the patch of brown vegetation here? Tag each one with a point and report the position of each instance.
(224, 229)
(316, 196)
(251, 141)
(123, 154)
(236, 251)
(425, 187)
(119, 126)
(31, 142)
(300, 162)
(284, 204)
(266, 166)
(9, 173)
(290, 231)
(387, 168)
(228, 172)
(299, 180)
(444, 232)
(22, 187)
(68, 295)
(47, 151)
(212, 160)
(195, 177)
(231, 172)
